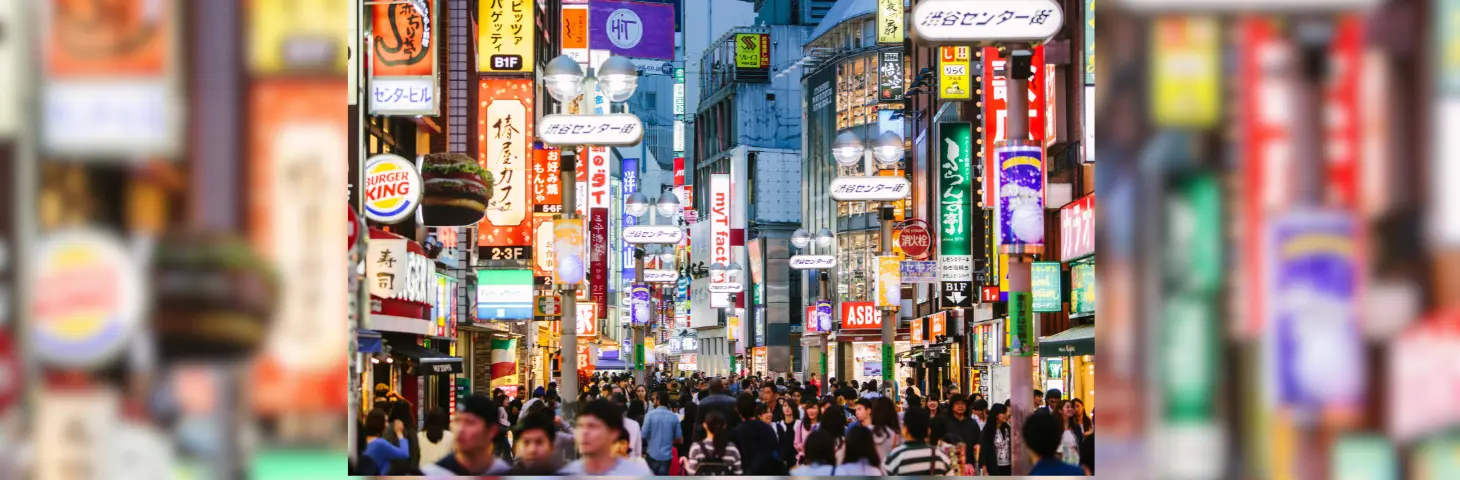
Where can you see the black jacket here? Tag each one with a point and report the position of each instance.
(987, 458)
(967, 430)
(786, 441)
(759, 449)
(722, 403)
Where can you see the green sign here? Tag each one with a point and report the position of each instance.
(679, 72)
(1089, 44)
(887, 368)
(955, 187)
(1190, 356)
(1021, 325)
(1367, 457)
(1082, 289)
(638, 356)
(1044, 284)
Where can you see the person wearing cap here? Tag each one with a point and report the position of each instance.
(476, 427)
(996, 451)
(960, 422)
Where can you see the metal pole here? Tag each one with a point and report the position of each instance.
(1313, 36)
(639, 329)
(362, 295)
(822, 347)
(1021, 368)
(889, 314)
(569, 328)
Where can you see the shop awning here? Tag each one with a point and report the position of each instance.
(369, 341)
(1079, 340)
(428, 362)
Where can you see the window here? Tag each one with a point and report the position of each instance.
(651, 100)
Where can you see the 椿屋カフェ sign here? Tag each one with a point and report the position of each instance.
(874, 189)
(986, 21)
(613, 130)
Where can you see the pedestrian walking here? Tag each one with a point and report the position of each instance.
(1042, 436)
(714, 455)
(599, 427)
(784, 420)
(819, 458)
(661, 433)
(916, 456)
(438, 439)
(886, 428)
(380, 450)
(995, 452)
(803, 427)
(860, 458)
(476, 427)
(536, 435)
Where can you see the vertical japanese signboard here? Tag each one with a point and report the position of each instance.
(403, 58)
(1021, 325)
(889, 22)
(1044, 285)
(995, 108)
(598, 254)
(504, 140)
(719, 232)
(506, 41)
(629, 185)
(1021, 198)
(890, 77)
(1089, 45)
(955, 187)
(1077, 228)
(575, 31)
(1186, 62)
(955, 76)
(598, 187)
(544, 259)
(547, 180)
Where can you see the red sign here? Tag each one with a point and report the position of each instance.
(598, 252)
(679, 174)
(809, 321)
(547, 181)
(989, 294)
(353, 230)
(916, 331)
(765, 50)
(937, 325)
(10, 371)
(861, 316)
(504, 147)
(996, 109)
(1077, 228)
(915, 241)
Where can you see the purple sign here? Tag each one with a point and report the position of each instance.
(1313, 278)
(632, 29)
(639, 305)
(1020, 196)
(823, 316)
(630, 185)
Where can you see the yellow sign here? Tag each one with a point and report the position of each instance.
(889, 22)
(747, 50)
(286, 36)
(732, 328)
(1185, 71)
(889, 281)
(955, 79)
(507, 36)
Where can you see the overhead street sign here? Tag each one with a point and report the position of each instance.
(657, 234)
(874, 189)
(660, 276)
(813, 262)
(612, 130)
(726, 288)
(986, 21)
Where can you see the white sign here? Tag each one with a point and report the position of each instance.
(395, 272)
(726, 288)
(986, 21)
(660, 234)
(660, 276)
(508, 150)
(679, 135)
(392, 188)
(627, 27)
(587, 321)
(1244, 6)
(679, 98)
(719, 226)
(813, 262)
(118, 118)
(613, 130)
(1089, 126)
(403, 96)
(876, 189)
(955, 268)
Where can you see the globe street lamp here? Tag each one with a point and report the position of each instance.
(847, 149)
(800, 238)
(637, 204)
(824, 238)
(618, 78)
(889, 149)
(564, 78)
(668, 205)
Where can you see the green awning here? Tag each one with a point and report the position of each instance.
(1079, 340)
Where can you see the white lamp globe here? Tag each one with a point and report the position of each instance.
(570, 269)
(564, 79)
(668, 204)
(734, 269)
(889, 149)
(637, 204)
(847, 149)
(824, 238)
(618, 78)
(800, 238)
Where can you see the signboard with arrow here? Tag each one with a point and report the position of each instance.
(955, 295)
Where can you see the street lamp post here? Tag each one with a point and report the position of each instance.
(637, 205)
(803, 240)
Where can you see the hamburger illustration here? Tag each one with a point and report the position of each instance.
(456, 190)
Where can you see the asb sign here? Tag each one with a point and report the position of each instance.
(861, 316)
(873, 189)
(612, 130)
(987, 21)
(392, 188)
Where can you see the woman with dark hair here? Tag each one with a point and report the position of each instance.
(886, 429)
(1085, 424)
(687, 420)
(783, 420)
(996, 453)
(861, 457)
(637, 410)
(834, 422)
(802, 428)
(714, 455)
(820, 455)
(382, 451)
(439, 440)
(403, 414)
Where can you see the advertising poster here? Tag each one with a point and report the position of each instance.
(503, 148)
(1186, 58)
(752, 51)
(1044, 284)
(915, 332)
(719, 231)
(823, 315)
(504, 295)
(995, 108)
(889, 22)
(889, 283)
(575, 32)
(544, 261)
(1021, 198)
(1314, 330)
(403, 58)
(1077, 228)
(598, 253)
(955, 75)
(506, 39)
(547, 180)
(1021, 325)
(937, 325)
(587, 326)
(568, 247)
(919, 271)
(639, 305)
(956, 187)
(890, 79)
(1082, 289)
(632, 29)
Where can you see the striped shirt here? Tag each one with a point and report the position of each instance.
(704, 451)
(917, 458)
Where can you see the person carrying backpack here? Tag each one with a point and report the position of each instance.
(714, 455)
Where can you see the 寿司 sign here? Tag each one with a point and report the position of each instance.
(657, 234)
(860, 316)
(1077, 228)
(398, 269)
(392, 188)
(874, 189)
(986, 21)
(612, 130)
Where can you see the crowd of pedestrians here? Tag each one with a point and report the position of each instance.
(711, 426)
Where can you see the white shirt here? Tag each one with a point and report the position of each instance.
(636, 442)
(434, 452)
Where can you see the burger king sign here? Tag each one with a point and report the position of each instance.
(392, 188)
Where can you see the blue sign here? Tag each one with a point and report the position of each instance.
(639, 304)
(1020, 196)
(919, 271)
(630, 185)
(1313, 280)
(823, 316)
(632, 29)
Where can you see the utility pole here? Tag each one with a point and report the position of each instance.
(889, 314)
(639, 329)
(1021, 365)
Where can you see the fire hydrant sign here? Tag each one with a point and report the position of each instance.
(987, 21)
(613, 130)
